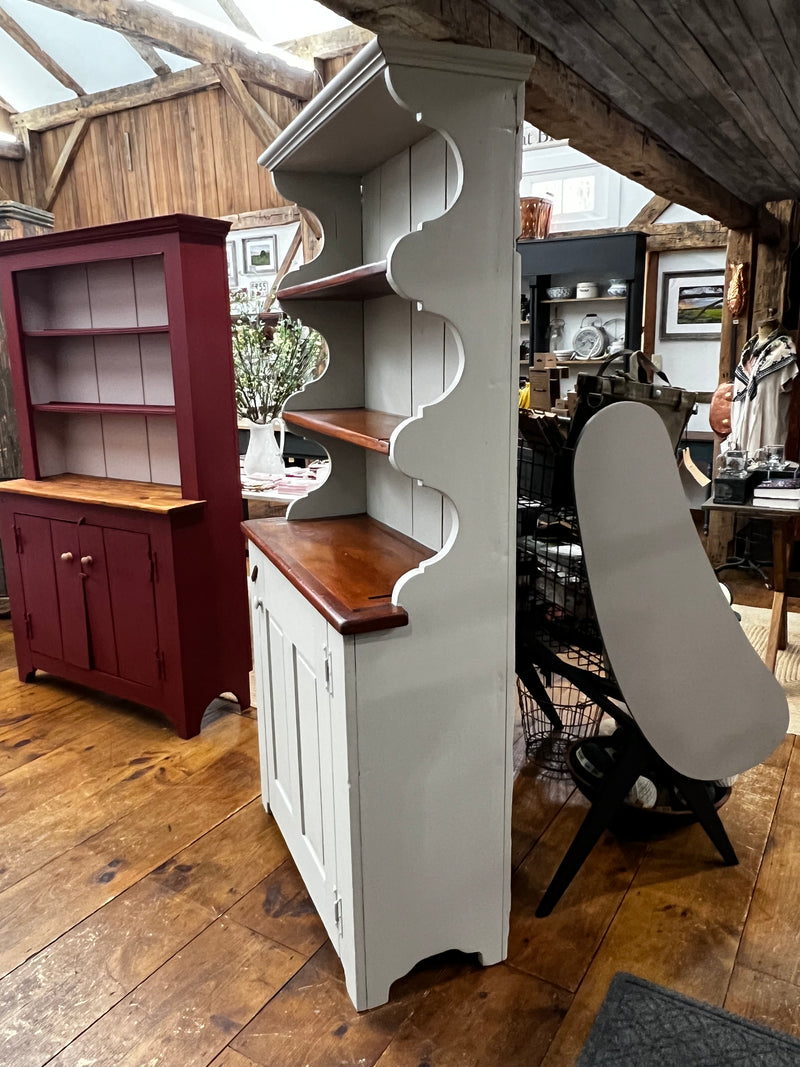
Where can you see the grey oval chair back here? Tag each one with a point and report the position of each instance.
(691, 680)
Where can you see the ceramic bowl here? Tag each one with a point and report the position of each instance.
(560, 292)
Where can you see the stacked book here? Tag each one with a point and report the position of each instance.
(778, 493)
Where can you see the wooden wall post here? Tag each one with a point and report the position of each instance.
(774, 245)
(650, 302)
(742, 248)
(16, 220)
(34, 177)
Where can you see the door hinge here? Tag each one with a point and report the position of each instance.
(17, 540)
(153, 565)
(328, 669)
(162, 666)
(28, 625)
(337, 912)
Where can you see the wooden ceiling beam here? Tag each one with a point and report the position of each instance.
(666, 237)
(560, 102)
(179, 83)
(330, 44)
(190, 39)
(149, 55)
(12, 150)
(61, 169)
(24, 40)
(269, 216)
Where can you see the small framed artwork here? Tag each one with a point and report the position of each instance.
(260, 254)
(691, 305)
(230, 250)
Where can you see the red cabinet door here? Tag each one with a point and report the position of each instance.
(71, 608)
(128, 564)
(35, 554)
(94, 576)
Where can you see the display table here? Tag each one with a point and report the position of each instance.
(296, 483)
(784, 534)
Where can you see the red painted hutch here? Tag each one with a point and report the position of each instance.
(125, 563)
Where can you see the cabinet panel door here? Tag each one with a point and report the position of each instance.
(133, 608)
(71, 609)
(102, 647)
(35, 555)
(299, 769)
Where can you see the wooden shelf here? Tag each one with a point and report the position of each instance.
(105, 409)
(361, 283)
(110, 492)
(105, 331)
(359, 426)
(583, 300)
(346, 567)
(582, 362)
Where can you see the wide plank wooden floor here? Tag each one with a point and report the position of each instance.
(150, 914)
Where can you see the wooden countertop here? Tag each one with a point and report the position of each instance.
(346, 567)
(112, 492)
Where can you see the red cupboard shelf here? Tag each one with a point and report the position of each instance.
(105, 331)
(105, 409)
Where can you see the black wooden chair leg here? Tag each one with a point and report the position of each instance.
(699, 801)
(618, 782)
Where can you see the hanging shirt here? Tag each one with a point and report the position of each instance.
(763, 382)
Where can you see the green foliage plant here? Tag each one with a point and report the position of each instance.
(268, 371)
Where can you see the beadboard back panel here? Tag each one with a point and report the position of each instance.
(409, 353)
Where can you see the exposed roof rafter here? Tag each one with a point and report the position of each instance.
(237, 16)
(24, 40)
(149, 55)
(192, 40)
(651, 211)
(71, 148)
(136, 94)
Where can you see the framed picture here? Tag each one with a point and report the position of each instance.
(260, 254)
(691, 305)
(230, 250)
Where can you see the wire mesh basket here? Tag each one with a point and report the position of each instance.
(554, 605)
(545, 743)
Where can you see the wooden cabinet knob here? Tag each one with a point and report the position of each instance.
(86, 561)
(67, 557)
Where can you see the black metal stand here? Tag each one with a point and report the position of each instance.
(743, 563)
(637, 757)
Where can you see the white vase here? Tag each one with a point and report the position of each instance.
(263, 460)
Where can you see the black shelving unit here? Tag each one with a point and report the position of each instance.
(598, 259)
